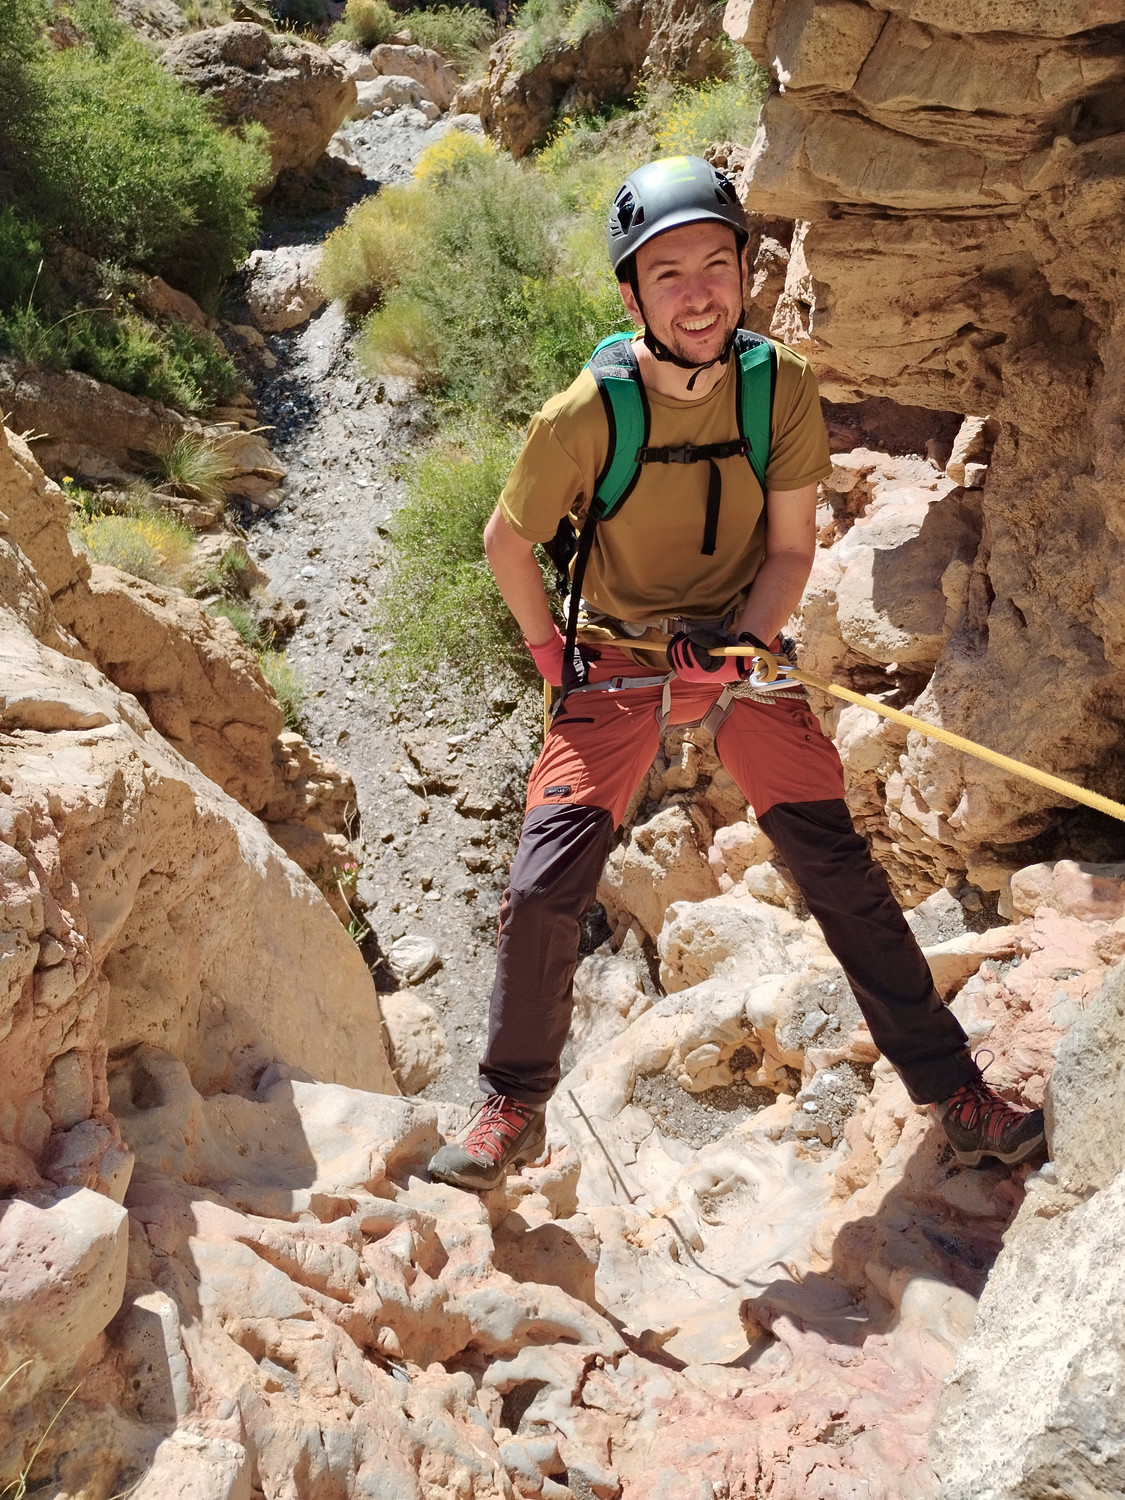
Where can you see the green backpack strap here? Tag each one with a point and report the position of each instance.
(613, 365)
(757, 375)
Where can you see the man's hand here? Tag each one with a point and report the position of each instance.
(689, 655)
(549, 656)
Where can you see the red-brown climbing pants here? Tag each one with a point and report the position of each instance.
(598, 750)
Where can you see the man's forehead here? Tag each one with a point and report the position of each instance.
(687, 239)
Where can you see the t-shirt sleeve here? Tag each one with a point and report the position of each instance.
(798, 440)
(544, 484)
(559, 463)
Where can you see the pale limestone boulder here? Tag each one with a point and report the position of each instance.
(354, 58)
(412, 957)
(385, 93)
(972, 448)
(608, 995)
(291, 86)
(418, 1048)
(281, 289)
(905, 578)
(737, 846)
(1090, 892)
(439, 81)
(735, 936)
(1055, 1301)
(193, 1463)
(62, 1276)
(663, 861)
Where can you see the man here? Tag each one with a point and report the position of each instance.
(706, 561)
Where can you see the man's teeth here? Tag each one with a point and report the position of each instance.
(693, 325)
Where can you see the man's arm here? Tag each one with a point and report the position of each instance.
(512, 560)
(790, 549)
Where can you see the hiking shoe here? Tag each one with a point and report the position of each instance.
(506, 1134)
(979, 1123)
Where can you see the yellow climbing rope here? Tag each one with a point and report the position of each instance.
(932, 731)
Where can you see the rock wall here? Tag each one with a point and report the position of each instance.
(657, 38)
(952, 181)
(142, 909)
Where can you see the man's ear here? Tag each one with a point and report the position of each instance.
(632, 306)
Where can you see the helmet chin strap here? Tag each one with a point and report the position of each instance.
(661, 351)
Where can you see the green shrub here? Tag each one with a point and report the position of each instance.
(719, 110)
(367, 22)
(287, 683)
(241, 616)
(481, 309)
(194, 467)
(179, 365)
(440, 609)
(461, 32)
(152, 546)
(21, 254)
(546, 23)
(102, 149)
(367, 257)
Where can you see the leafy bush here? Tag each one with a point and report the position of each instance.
(367, 22)
(367, 257)
(460, 32)
(287, 683)
(152, 546)
(177, 364)
(475, 300)
(194, 467)
(241, 616)
(104, 150)
(719, 110)
(440, 604)
(545, 23)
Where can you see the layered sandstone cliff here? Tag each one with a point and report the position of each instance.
(950, 182)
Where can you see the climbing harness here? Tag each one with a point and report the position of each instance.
(933, 731)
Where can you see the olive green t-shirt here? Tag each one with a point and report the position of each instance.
(646, 560)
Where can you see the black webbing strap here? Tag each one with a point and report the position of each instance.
(690, 454)
(574, 668)
(711, 520)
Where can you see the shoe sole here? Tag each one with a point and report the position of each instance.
(1011, 1159)
(460, 1180)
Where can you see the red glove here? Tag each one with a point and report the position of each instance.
(689, 653)
(548, 657)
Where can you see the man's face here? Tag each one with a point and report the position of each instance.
(691, 284)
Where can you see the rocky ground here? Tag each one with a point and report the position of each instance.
(438, 778)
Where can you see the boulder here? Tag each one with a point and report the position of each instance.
(291, 86)
(281, 287)
(439, 81)
(418, 1050)
(155, 20)
(62, 1270)
(389, 92)
(98, 433)
(663, 861)
(1055, 1302)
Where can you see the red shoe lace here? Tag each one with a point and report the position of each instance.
(974, 1104)
(501, 1120)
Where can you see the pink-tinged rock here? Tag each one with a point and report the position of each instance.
(1071, 887)
(62, 1276)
